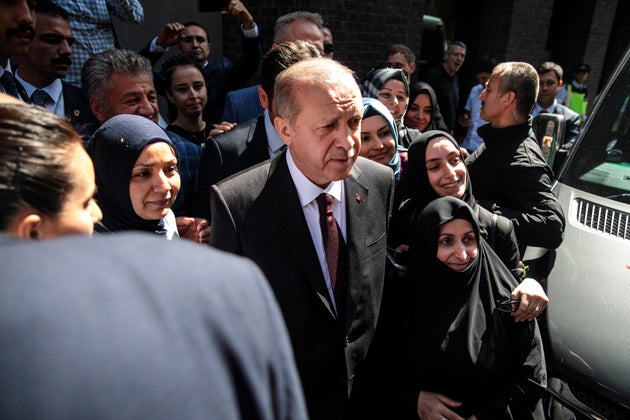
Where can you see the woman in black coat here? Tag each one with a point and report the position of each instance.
(436, 169)
(466, 356)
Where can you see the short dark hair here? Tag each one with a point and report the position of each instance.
(485, 64)
(280, 58)
(548, 66)
(171, 64)
(402, 49)
(34, 159)
(456, 44)
(193, 23)
(50, 8)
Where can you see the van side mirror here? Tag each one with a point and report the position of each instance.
(549, 131)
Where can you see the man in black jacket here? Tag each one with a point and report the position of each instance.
(508, 172)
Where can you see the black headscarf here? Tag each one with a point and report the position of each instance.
(419, 188)
(437, 121)
(114, 149)
(461, 345)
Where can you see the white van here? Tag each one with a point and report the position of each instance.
(587, 323)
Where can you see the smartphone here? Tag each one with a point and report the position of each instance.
(211, 5)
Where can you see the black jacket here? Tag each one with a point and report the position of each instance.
(511, 178)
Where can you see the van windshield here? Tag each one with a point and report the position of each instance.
(601, 163)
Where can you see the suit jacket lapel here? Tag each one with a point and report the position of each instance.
(356, 196)
(289, 216)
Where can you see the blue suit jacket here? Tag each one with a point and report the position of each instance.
(242, 105)
(97, 330)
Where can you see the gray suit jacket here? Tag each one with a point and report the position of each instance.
(97, 330)
(257, 214)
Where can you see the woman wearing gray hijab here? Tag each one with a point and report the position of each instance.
(390, 87)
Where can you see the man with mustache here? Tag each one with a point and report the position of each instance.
(314, 219)
(17, 21)
(46, 63)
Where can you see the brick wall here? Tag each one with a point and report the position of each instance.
(526, 30)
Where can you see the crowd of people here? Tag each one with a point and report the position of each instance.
(383, 274)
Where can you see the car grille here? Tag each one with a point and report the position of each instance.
(603, 219)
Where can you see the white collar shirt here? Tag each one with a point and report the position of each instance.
(307, 193)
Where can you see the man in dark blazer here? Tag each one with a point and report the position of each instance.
(550, 79)
(97, 330)
(253, 141)
(270, 214)
(45, 64)
(221, 75)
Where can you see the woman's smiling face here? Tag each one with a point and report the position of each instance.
(457, 244)
(445, 168)
(154, 182)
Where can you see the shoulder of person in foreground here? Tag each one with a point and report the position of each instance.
(99, 317)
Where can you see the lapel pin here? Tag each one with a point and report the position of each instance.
(358, 198)
(76, 112)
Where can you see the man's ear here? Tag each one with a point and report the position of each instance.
(28, 227)
(412, 68)
(560, 83)
(509, 97)
(284, 129)
(263, 98)
(98, 110)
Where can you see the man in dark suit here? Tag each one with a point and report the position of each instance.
(255, 140)
(550, 79)
(16, 30)
(46, 63)
(315, 220)
(97, 330)
(221, 75)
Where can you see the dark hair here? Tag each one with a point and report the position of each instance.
(485, 64)
(548, 66)
(50, 8)
(280, 58)
(35, 152)
(193, 23)
(170, 65)
(456, 44)
(404, 50)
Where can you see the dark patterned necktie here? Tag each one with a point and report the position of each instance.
(8, 83)
(335, 249)
(39, 97)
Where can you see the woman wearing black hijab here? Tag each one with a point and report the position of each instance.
(115, 149)
(436, 169)
(468, 357)
(423, 112)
